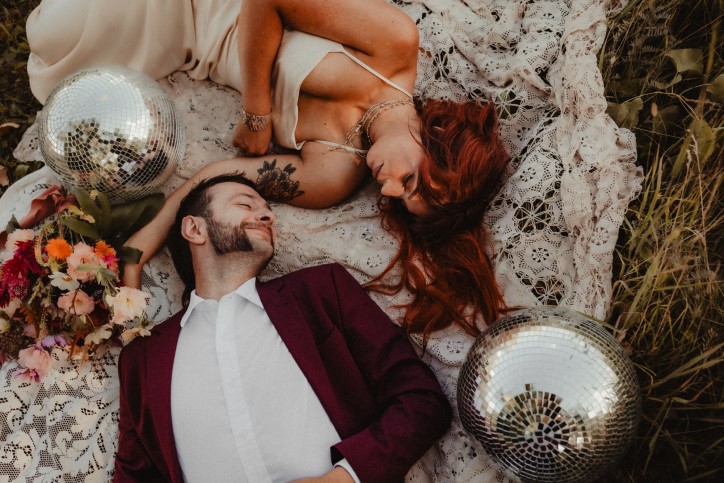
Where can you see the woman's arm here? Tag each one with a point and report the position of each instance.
(324, 179)
(259, 35)
(379, 33)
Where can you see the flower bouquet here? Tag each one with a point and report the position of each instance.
(59, 284)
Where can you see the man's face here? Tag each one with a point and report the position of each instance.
(240, 220)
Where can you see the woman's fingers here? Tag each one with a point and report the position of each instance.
(252, 143)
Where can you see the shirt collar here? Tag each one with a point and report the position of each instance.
(246, 290)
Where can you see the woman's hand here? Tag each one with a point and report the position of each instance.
(252, 143)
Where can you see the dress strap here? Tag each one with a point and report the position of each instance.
(343, 147)
(376, 74)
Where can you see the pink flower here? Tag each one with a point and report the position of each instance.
(30, 331)
(11, 307)
(36, 363)
(83, 255)
(127, 304)
(76, 302)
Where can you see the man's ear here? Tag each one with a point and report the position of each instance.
(193, 229)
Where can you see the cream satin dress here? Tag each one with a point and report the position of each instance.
(157, 37)
(160, 37)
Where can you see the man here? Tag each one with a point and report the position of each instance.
(301, 376)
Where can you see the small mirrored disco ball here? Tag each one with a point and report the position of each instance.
(112, 129)
(550, 394)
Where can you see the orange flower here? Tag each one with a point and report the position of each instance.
(104, 250)
(58, 248)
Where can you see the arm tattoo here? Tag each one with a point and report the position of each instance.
(275, 184)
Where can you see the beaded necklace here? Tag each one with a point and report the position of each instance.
(363, 126)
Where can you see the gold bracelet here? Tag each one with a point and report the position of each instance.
(254, 122)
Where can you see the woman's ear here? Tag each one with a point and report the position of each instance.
(193, 229)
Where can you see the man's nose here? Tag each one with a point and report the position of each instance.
(266, 216)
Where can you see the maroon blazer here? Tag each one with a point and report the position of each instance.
(384, 402)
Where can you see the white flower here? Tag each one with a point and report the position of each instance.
(18, 236)
(13, 238)
(63, 281)
(130, 334)
(99, 335)
(127, 304)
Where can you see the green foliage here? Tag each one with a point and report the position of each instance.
(662, 70)
(114, 226)
(18, 107)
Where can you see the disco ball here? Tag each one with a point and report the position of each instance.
(550, 394)
(112, 129)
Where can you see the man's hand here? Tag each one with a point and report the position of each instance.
(131, 276)
(336, 475)
(252, 143)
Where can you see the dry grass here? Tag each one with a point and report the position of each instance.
(663, 70)
(661, 62)
(17, 105)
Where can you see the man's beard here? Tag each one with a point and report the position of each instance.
(228, 238)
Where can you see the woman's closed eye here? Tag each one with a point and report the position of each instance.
(406, 180)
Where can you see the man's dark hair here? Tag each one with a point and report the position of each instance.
(195, 203)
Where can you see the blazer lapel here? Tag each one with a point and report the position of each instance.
(294, 331)
(159, 371)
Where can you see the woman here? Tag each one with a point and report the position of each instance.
(331, 79)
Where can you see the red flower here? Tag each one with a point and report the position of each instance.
(15, 281)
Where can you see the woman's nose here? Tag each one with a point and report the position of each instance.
(392, 188)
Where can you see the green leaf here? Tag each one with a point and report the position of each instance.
(705, 138)
(104, 274)
(129, 254)
(88, 206)
(132, 216)
(82, 228)
(626, 114)
(21, 170)
(716, 89)
(104, 221)
(703, 135)
(12, 225)
(626, 88)
(150, 205)
(687, 60)
(666, 119)
(665, 85)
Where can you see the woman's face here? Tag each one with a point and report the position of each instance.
(395, 164)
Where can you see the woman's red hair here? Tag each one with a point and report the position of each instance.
(441, 254)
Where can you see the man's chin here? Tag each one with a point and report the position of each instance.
(262, 246)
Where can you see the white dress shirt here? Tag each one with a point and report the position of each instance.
(241, 409)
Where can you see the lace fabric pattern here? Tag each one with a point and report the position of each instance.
(553, 225)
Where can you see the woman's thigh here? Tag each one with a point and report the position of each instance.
(156, 37)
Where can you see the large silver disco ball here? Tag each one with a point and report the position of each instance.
(112, 129)
(550, 394)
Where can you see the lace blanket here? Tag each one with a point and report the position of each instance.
(554, 225)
